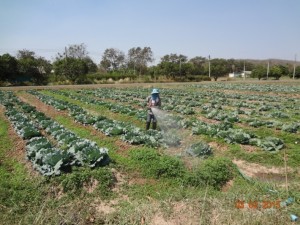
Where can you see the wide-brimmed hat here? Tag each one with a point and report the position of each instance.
(155, 91)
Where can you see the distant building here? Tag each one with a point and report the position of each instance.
(246, 74)
(235, 74)
(240, 74)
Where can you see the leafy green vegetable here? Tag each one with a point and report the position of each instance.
(199, 149)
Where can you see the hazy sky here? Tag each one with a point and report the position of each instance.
(255, 29)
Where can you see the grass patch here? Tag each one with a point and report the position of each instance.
(153, 164)
(265, 158)
(213, 172)
(84, 178)
(20, 194)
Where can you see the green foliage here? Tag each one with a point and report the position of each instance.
(88, 153)
(219, 67)
(114, 76)
(171, 139)
(291, 128)
(74, 182)
(271, 144)
(71, 68)
(214, 172)
(77, 180)
(277, 71)
(149, 138)
(22, 124)
(259, 72)
(46, 158)
(51, 161)
(19, 191)
(8, 67)
(297, 72)
(155, 165)
(36, 68)
(36, 144)
(199, 149)
(139, 58)
(112, 59)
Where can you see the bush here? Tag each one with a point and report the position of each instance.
(113, 76)
(75, 181)
(153, 164)
(192, 78)
(214, 172)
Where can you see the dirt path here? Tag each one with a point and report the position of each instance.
(260, 172)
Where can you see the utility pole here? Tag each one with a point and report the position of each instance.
(294, 67)
(66, 52)
(244, 71)
(268, 70)
(209, 66)
(180, 66)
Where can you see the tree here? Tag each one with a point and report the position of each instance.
(138, 58)
(112, 59)
(259, 72)
(174, 65)
(239, 65)
(77, 51)
(219, 67)
(25, 54)
(71, 68)
(92, 67)
(285, 70)
(276, 72)
(44, 69)
(32, 68)
(8, 67)
(74, 64)
(198, 63)
(174, 58)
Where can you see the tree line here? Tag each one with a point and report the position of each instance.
(76, 66)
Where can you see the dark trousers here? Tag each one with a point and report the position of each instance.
(151, 117)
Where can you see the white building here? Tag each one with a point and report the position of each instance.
(241, 74)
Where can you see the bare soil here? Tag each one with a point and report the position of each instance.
(260, 172)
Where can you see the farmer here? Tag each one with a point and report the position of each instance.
(152, 101)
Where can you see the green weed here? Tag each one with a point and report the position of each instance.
(215, 172)
(153, 164)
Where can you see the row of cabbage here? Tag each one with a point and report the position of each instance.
(180, 96)
(290, 88)
(50, 157)
(213, 110)
(127, 132)
(139, 100)
(226, 132)
(175, 98)
(114, 107)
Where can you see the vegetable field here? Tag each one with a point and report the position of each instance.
(84, 152)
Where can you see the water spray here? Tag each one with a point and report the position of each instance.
(169, 127)
(165, 120)
(171, 130)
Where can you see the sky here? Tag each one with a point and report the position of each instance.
(239, 29)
